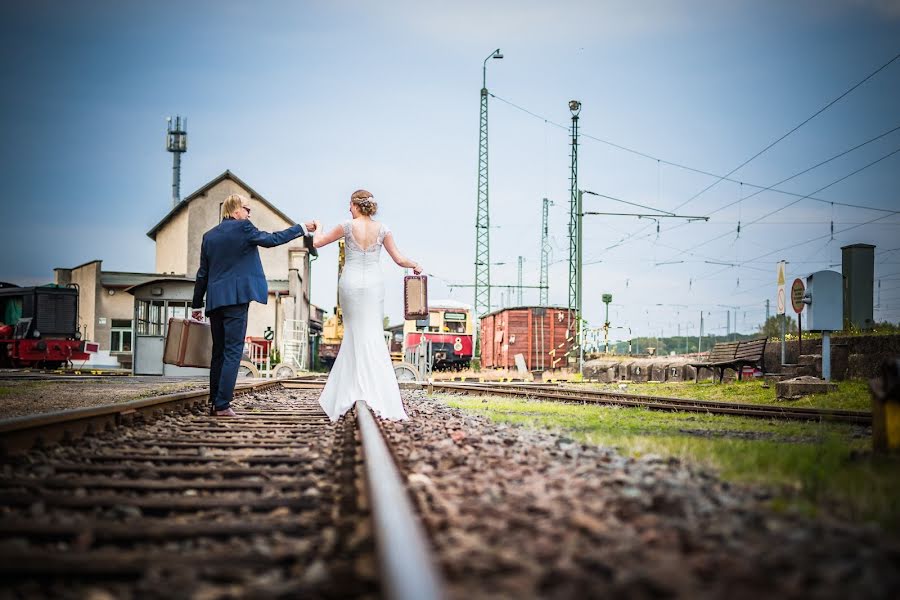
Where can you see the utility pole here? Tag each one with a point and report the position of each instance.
(574, 218)
(700, 335)
(519, 294)
(607, 298)
(482, 212)
(545, 253)
(767, 309)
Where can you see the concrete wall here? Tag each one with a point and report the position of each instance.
(119, 305)
(96, 306)
(203, 214)
(640, 369)
(852, 357)
(87, 277)
(172, 246)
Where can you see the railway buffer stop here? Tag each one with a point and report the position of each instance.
(155, 302)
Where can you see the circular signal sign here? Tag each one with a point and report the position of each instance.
(797, 291)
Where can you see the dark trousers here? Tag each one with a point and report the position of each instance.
(229, 326)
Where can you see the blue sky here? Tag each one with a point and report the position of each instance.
(308, 101)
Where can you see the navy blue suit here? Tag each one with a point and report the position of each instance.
(231, 276)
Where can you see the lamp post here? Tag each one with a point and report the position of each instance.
(607, 298)
(574, 229)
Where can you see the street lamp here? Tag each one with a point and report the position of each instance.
(495, 54)
(574, 230)
(607, 298)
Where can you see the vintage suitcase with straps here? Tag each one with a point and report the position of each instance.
(415, 297)
(188, 343)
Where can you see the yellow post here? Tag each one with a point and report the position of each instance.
(886, 408)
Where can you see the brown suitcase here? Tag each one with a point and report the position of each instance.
(415, 297)
(188, 343)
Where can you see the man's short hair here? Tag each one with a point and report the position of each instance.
(232, 203)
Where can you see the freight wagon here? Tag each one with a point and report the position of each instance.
(539, 333)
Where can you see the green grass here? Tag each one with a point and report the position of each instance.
(851, 395)
(812, 467)
(18, 387)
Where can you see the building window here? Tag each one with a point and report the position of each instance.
(153, 315)
(120, 336)
(150, 315)
(176, 310)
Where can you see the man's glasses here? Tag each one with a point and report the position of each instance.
(247, 208)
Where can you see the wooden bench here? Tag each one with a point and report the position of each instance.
(734, 356)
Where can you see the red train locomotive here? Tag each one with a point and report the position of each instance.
(450, 329)
(39, 327)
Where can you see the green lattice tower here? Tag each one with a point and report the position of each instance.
(482, 218)
(575, 107)
(545, 253)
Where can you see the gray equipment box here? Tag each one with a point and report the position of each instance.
(825, 292)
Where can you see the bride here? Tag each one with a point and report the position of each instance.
(362, 369)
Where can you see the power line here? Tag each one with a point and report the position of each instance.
(807, 170)
(793, 246)
(689, 168)
(823, 188)
(795, 128)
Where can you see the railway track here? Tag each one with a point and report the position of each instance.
(167, 501)
(569, 394)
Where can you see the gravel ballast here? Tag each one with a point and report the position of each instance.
(521, 513)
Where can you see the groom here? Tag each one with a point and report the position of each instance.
(231, 275)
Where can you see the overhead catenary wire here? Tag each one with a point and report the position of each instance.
(823, 188)
(791, 131)
(803, 243)
(800, 196)
(689, 168)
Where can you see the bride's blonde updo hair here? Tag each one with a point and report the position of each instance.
(364, 202)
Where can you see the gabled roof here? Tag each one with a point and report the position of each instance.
(202, 192)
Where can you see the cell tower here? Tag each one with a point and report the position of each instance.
(482, 212)
(574, 217)
(176, 143)
(545, 253)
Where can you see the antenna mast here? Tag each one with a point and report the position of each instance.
(176, 143)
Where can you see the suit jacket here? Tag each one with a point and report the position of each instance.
(230, 270)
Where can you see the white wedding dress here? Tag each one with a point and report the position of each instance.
(362, 369)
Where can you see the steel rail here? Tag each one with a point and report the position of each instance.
(818, 412)
(407, 566)
(659, 402)
(23, 433)
(408, 570)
